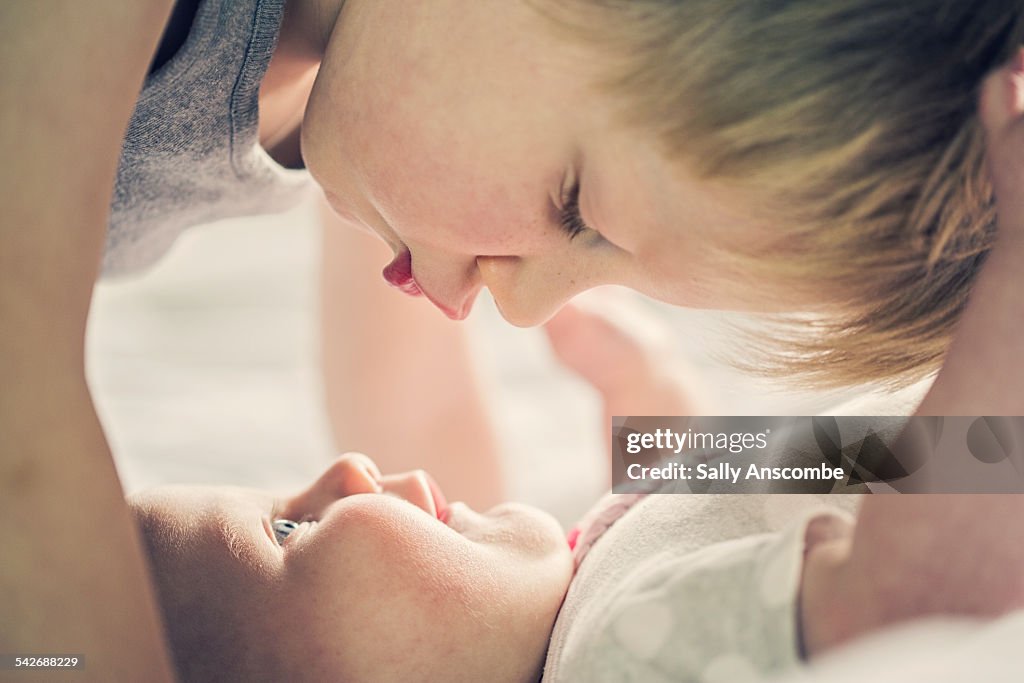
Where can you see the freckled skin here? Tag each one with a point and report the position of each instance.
(463, 157)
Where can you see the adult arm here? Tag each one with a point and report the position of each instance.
(73, 577)
(400, 378)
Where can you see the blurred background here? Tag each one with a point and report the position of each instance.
(205, 369)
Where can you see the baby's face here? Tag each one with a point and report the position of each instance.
(381, 580)
(460, 131)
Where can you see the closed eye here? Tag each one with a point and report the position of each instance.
(571, 220)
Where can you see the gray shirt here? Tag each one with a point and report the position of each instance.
(191, 153)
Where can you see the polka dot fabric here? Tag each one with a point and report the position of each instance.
(723, 612)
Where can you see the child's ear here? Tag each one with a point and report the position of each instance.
(1001, 110)
(1002, 95)
(350, 474)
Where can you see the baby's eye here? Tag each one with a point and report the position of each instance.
(283, 528)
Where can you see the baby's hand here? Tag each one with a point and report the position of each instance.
(1001, 109)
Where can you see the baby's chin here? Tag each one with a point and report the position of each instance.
(515, 528)
(538, 563)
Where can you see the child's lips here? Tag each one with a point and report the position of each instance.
(398, 274)
(410, 287)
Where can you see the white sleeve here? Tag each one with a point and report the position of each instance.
(723, 614)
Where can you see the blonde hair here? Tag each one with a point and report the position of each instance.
(856, 120)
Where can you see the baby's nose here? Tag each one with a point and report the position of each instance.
(350, 474)
(355, 473)
(414, 487)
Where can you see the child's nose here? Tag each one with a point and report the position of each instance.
(528, 292)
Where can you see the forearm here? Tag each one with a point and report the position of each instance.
(74, 580)
(400, 380)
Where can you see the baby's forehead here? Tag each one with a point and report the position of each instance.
(190, 504)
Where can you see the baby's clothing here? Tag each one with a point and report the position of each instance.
(687, 588)
(598, 520)
(191, 153)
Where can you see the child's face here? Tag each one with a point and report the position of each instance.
(456, 129)
(382, 580)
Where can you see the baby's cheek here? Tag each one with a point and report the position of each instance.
(386, 583)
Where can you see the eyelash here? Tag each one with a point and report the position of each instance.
(571, 220)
